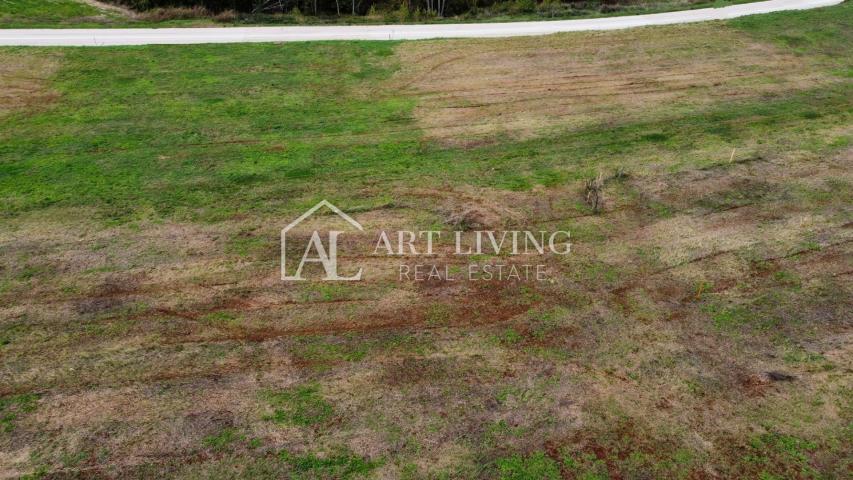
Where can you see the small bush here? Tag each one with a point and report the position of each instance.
(226, 16)
(550, 8)
(594, 193)
(523, 6)
(374, 13)
(297, 15)
(404, 14)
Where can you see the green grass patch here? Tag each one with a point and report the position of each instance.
(781, 456)
(11, 409)
(536, 466)
(222, 440)
(204, 133)
(822, 31)
(342, 465)
(221, 318)
(323, 351)
(302, 406)
(729, 317)
(23, 12)
(586, 466)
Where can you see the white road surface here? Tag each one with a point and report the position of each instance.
(161, 36)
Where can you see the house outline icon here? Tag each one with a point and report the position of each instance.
(332, 257)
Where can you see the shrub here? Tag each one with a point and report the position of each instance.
(404, 14)
(523, 6)
(226, 16)
(211, 5)
(174, 13)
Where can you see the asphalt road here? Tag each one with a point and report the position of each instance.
(152, 36)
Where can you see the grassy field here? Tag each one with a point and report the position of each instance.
(78, 14)
(699, 329)
(23, 13)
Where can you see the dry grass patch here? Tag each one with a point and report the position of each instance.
(24, 80)
(474, 92)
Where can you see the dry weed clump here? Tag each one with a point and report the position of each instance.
(176, 13)
(472, 218)
(226, 16)
(595, 193)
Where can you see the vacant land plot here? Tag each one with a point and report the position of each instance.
(700, 328)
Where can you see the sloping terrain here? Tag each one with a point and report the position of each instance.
(699, 329)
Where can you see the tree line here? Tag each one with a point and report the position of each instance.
(337, 7)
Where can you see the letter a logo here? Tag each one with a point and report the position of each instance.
(315, 251)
